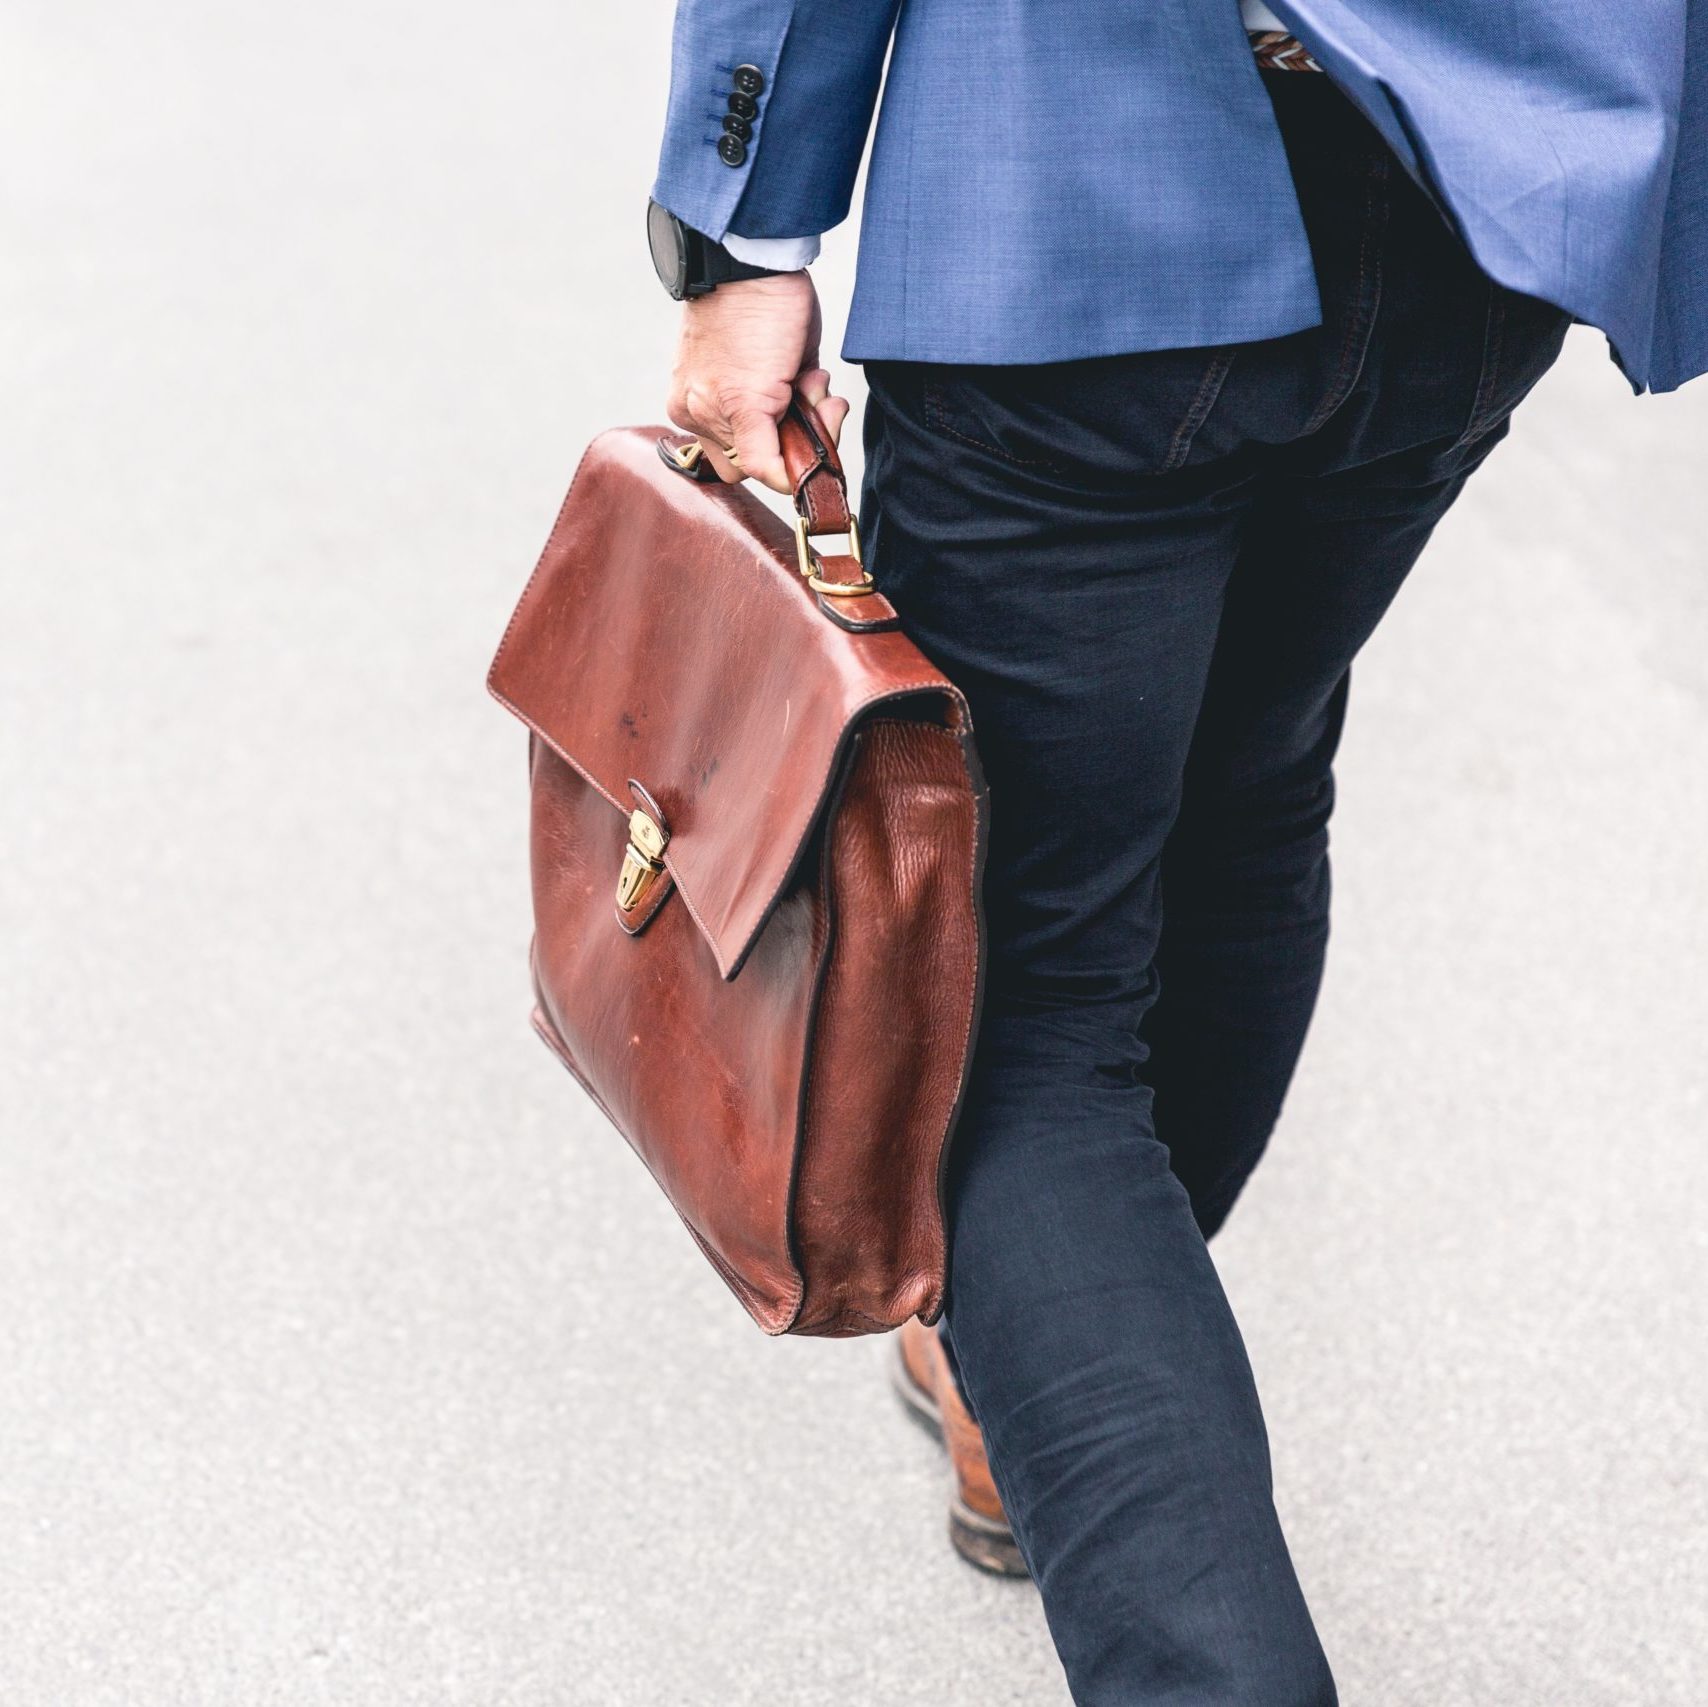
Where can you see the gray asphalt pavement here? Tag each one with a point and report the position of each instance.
(346, 1357)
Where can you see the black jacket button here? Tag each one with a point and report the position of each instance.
(737, 127)
(749, 79)
(732, 150)
(743, 106)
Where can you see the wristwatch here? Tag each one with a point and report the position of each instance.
(690, 263)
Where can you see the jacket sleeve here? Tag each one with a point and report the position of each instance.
(793, 176)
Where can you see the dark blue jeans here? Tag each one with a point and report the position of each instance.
(1150, 573)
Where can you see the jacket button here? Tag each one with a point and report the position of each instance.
(737, 126)
(732, 150)
(743, 106)
(749, 79)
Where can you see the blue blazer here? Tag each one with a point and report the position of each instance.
(1053, 179)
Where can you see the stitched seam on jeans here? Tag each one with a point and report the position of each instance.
(1209, 389)
(938, 422)
(1482, 406)
(1356, 342)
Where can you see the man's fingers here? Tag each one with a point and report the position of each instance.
(690, 411)
(738, 428)
(755, 431)
(725, 470)
(686, 409)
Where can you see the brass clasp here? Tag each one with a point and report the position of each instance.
(643, 860)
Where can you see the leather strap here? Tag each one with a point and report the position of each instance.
(814, 469)
(822, 501)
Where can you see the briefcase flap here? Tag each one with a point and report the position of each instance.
(667, 636)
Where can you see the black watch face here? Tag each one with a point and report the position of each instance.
(669, 249)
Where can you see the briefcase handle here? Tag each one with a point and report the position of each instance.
(820, 491)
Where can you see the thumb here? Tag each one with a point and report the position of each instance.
(833, 411)
(814, 386)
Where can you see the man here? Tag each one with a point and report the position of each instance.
(1183, 329)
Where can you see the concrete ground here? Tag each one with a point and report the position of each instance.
(345, 1355)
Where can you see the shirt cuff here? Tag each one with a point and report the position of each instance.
(780, 254)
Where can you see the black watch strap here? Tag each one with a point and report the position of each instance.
(723, 268)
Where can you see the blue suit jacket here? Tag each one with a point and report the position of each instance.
(1054, 179)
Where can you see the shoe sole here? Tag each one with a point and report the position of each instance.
(987, 1546)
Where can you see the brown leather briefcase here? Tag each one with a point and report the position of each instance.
(757, 830)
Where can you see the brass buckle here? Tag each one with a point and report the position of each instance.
(642, 860)
(805, 556)
(686, 457)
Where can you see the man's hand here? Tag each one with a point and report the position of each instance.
(744, 347)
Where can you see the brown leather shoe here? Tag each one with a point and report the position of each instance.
(978, 1527)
